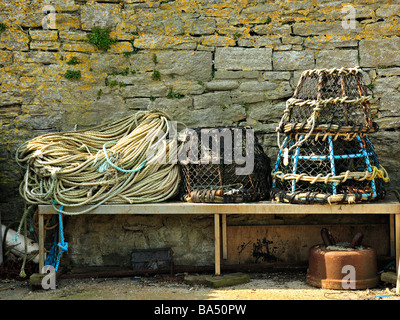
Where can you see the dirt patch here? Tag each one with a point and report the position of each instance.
(262, 286)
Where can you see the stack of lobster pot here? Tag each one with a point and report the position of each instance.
(325, 155)
(223, 165)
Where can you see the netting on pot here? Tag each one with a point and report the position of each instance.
(329, 100)
(223, 165)
(326, 156)
(328, 170)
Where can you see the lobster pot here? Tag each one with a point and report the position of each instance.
(327, 169)
(225, 164)
(333, 100)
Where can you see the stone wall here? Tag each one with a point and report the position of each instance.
(205, 62)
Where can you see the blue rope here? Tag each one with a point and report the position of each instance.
(53, 257)
(118, 168)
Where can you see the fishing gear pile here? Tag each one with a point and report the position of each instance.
(224, 165)
(326, 156)
(122, 161)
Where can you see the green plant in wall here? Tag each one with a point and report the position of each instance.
(174, 95)
(101, 38)
(125, 72)
(237, 35)
(73, 61)
(155, 59)
(134, 51)
(2, 27)
(212, 75)
(156, 76)
(73, 74)
(99, 93)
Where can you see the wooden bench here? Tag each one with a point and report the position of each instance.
(220, 212)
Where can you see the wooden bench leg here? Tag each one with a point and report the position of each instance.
(392, 231)
(397, 237)
(217, 241)
(397, 246)
(41, 243)
(224, 238)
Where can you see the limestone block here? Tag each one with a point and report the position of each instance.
(150, 41)
(44, 45)
(270, 29)
(217, 41)
(293, 60)
(386, 86)
(5, 57)
(217, 85)
(247, 97)
(268, 42)
(389, 106)
(276, 75)
(257, 86)
(44, 35)
(159, 103)
(328, 42)
(73, 35)
(246, 43)
(202, 26)
(325, 28)
(388, 72)
(78, 47)
(387, 147)
(187, 87)
(213, 99)
(192, 65)
(268, 110)
(120, 47)
(259, 13)
(102, 15)
(380, 52)
(106, 63)
(65, 5)
(13, 39)
(65, 21)
(226, 74)
(223, 115)
(243, 59)
(388, 27)
(336, 59)
(282, 90)
(387, 11)
(144, 90)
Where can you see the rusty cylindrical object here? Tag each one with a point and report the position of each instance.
(327, 268)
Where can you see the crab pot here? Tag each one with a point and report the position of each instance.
(342, 268)
(224, 164)
(326, 156)
(325, 98)
(326, 169)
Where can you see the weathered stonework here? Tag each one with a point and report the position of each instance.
(230, 62)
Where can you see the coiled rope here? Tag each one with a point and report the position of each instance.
(117, 162)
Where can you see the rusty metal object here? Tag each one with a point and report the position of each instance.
(326, 268)
(357, 239)
(327, 237)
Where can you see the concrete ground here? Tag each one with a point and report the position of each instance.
(289, 285)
